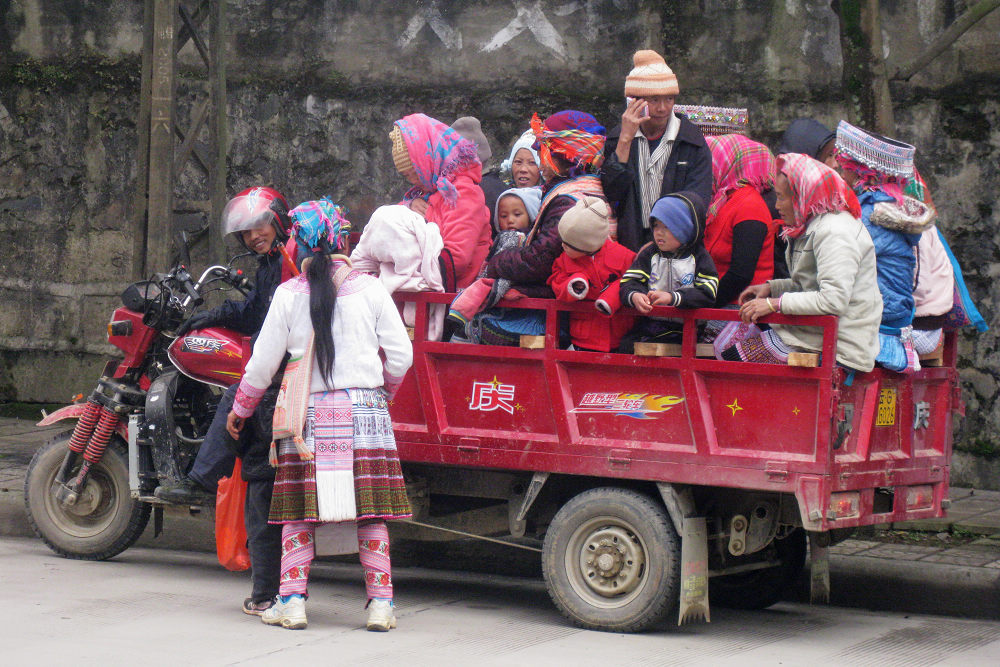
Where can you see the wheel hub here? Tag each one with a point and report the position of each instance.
(94, 509)
(611, 561)
(88, 500)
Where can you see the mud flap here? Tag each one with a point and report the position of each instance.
(694, 571)
(819, 568)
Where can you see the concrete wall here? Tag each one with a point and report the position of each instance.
(315, 86)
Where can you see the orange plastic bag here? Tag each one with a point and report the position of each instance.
(230, 528)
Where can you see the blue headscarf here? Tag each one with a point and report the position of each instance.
(316, 221)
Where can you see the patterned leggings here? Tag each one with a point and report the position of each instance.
(298, 550)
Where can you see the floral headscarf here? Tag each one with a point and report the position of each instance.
(437, 152)
(816, 189)
(573, 135)
(736, 162)
(314, 221)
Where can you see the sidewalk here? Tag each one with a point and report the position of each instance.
(960, 579)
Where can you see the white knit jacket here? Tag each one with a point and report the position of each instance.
(365, 320)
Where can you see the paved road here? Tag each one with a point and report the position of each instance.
(162, 607)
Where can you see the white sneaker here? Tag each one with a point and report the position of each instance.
(380, 616)
(290, 615)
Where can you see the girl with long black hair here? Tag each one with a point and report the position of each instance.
(345, 469)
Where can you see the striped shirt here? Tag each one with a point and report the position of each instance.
(652, 166)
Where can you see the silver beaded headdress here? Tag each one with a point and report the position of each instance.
(714, 121)
(885, 155)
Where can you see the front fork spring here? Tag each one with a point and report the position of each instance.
(99, 437)
(102, 436)
(85, 427)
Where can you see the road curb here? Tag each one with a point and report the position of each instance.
(881, 584)
(13, 517)
(182, 530)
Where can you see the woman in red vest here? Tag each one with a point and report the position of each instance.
(739, 233)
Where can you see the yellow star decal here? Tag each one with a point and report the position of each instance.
(734, 406)
(496, 382)
(518, 407)
(796, 411)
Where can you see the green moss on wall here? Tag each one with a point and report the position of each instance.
(88, 70)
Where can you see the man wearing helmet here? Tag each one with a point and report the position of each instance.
(258, 218)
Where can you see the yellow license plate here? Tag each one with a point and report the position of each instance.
(886, 408)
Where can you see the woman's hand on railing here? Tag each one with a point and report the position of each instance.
(761, 291)
(754, 309)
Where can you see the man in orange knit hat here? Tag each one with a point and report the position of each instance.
(654, 152)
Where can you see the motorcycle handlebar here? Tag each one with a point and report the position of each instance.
(234, 277)
(193, 296)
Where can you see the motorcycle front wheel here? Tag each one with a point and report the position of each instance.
(104, 521)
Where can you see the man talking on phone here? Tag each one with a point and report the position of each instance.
(654, 152)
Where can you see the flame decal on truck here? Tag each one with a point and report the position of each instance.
(637, 406)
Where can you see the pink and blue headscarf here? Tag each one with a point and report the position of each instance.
(316, 221)
(437, 153)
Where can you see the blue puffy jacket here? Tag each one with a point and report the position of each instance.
(895, 263)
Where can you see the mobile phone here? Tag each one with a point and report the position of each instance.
(645, 110)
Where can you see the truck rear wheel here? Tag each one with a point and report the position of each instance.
(762, 588)
(104, 522)
(611, 560)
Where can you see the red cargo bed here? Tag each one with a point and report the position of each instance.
(872, 448)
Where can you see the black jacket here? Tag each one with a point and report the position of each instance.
(689, 167)
(247, 316)
(492, 186)
(704, 282)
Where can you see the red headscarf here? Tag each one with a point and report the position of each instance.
(816, 189)
(738, 161)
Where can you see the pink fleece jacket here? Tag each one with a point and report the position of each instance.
(465, 227)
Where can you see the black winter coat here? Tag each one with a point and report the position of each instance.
(247, 316)
(689, 167)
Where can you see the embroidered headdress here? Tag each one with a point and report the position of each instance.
(879, 162)
(715, 121)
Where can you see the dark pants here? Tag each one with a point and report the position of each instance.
(263, 540)
(215, 459)
(648, 330)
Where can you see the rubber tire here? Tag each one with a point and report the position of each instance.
(122, 518)
(763, 588)
(642, 517)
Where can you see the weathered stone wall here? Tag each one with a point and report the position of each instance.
(315, 86)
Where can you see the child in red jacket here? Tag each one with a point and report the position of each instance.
(589, 269)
